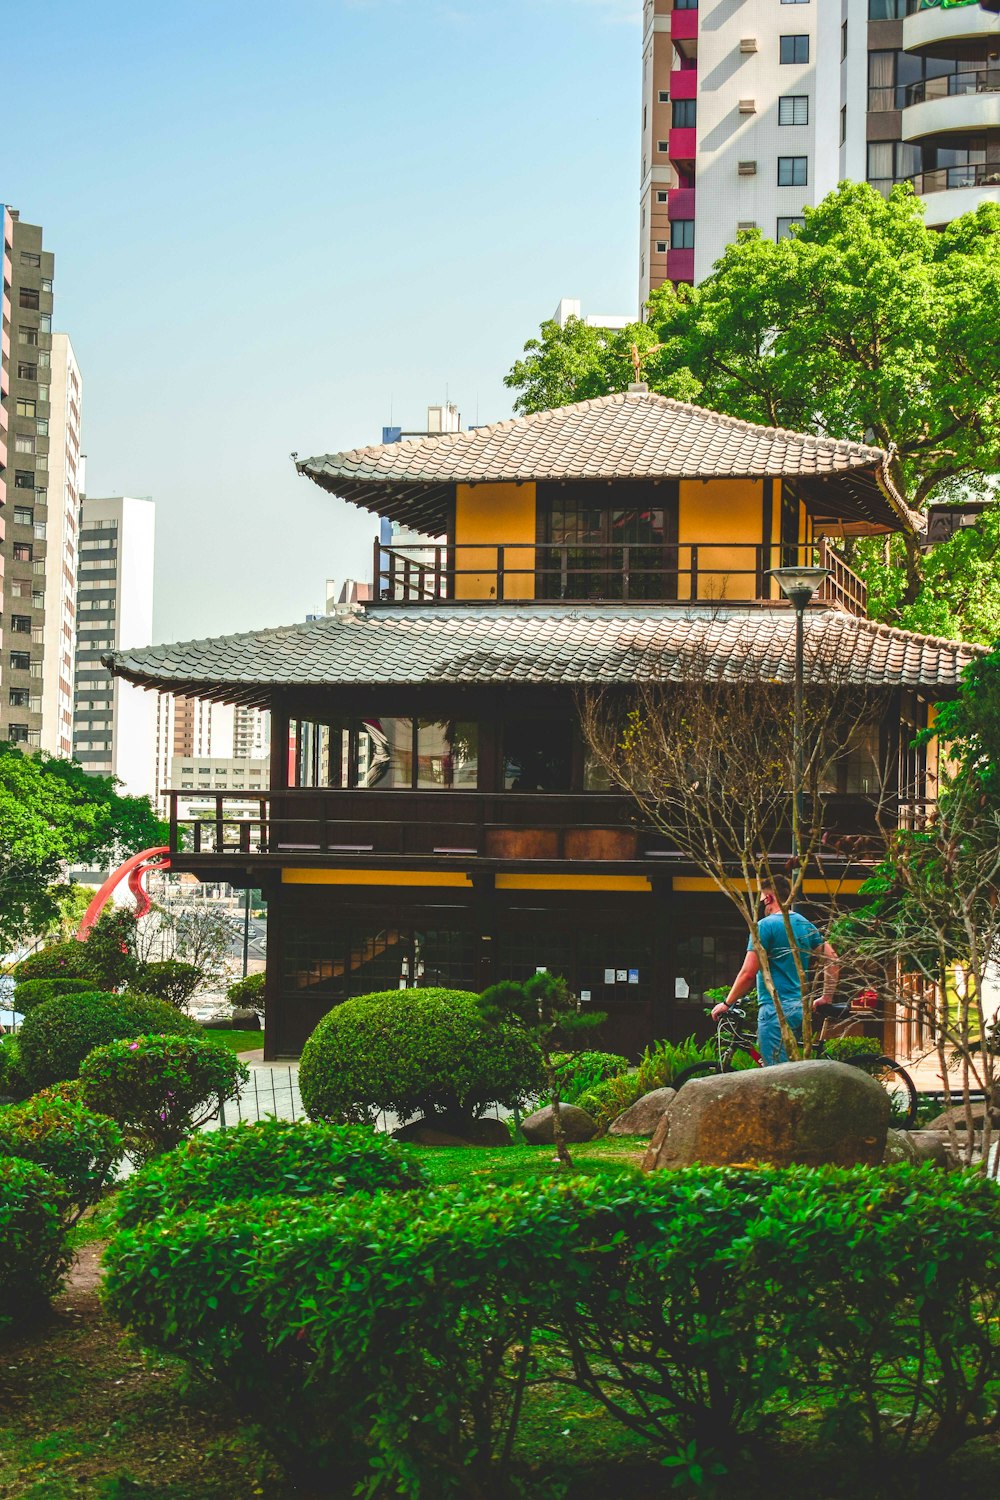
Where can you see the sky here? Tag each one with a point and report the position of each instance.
(281, 224)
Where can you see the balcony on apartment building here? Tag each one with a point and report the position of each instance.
(944, 29)
(684, 24)
(965, 102)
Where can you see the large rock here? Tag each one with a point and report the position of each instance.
(577, 1125)
(642, 1117)
(803, 1112)
(489, 1132)
(934, 1146)
(899, 1148)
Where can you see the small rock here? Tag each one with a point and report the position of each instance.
(804, 1113)
(577, 1125)
(899, 1148)
(931, 1145)
(642, 1117)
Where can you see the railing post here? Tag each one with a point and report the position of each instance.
(377, 569)
(264, 818)
(500, 571)
(694, 572)
(626, 559)
(392, 573)
(438, 592)
(173, 822)
(219, 837)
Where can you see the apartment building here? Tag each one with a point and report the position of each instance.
(61, 553)
(755, 109)
(28, 276)
(7, 268)
(114, 729)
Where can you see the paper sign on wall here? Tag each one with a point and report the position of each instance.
(681, 989)
(609, 976)
(622, 976)
(633, 976)
(585, 996)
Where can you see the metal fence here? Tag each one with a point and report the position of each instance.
(271, 1091)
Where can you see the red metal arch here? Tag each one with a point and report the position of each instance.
(135, 870)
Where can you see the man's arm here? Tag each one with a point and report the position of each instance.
(742, 984)
(831, 973)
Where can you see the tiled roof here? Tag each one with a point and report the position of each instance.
(632, 435)
(523, 644)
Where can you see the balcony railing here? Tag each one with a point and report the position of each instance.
(981, 174)
(596, 572)
(984, 80)
(438, 828)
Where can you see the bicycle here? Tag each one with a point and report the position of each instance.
(732, 1044)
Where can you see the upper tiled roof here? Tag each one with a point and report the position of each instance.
(633, 435)
(518, 644)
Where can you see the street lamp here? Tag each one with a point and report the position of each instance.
(799, 585)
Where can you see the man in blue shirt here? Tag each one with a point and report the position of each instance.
(773, 938)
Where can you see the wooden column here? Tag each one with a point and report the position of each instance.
(664, 956)
(277, 894)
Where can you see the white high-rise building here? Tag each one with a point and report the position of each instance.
(754, 109)
(114, 724)
(65, 483)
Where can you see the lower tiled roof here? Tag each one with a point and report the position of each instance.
(544, 644)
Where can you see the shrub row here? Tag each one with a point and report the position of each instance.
(79, 1147)
(270, 1159)
(56, 1035)
(606, 1099)
(696, 1307)
(33, 1237)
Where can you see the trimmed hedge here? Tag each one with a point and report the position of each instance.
(275, 1157)
(248, 993)
(696, 1307)
(31, 992)
(160, 1088)
(33, 1238)
(169, 980)
(13, 1083)
(80, 1148)
(414, 1052)
(57, 961)
(56, 1036)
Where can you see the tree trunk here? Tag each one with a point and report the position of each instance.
(559, 1139)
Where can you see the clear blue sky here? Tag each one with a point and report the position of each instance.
(275, 221)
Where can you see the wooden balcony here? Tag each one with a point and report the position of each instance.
(458, 830)
(716, 572)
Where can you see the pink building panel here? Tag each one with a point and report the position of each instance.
(683, 140)
(683, 25)
(680, 264)
(680, 203)
(684, 83)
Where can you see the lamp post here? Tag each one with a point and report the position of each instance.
(799, 585)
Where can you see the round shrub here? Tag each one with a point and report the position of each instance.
(275, 1157)
(33, 1236)
(57, 961)
(160, 1088)
(76, 1145)
(13, 1084)
(248, 993)
(414, 1052)
(171, 980)
(56, 1036)
(580, 1072)
(31, 992)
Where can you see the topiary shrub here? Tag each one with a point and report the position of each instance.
(13, 1084)
(160, 1088)
(77, 1146)
(33, 1237)
(58, 961)
(56, 1036)
(248, 993)
(297, 1160)
(414, 1052)
(842, 1048)
(171, 980)
(31, 992)
(581, 1072)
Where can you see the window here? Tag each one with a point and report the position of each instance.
(18, 734)
(23, 443)
(43, 358)
(30, 258)
(682, 234)
(24, 479)
(25, 408)
(21, 624)
(663, 145)
(793, 171)
(45, 323)
(662, 196)
(26, 371)
(793, 109)
(794, 49)
(20, 661)
(27, 296)
(685, 4)
(42, 426)
(786, 225)
(795, 2)
(43, 393)
(663, 97)
(684, 113)
(887, 10)
(537, 757)
(22, 551)
(47, 284)
(19, 697)
(843, 123)
(27, 335)
(661, 247)
(843, 40)
(23, 515)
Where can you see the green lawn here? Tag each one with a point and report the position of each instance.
(496, 1166)
(239, 1041)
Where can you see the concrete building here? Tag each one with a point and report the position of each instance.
(570, 307)
(7, 268)
(755, 109)
(28, 277)
(61, 555)
(114, 729)
(251, 733)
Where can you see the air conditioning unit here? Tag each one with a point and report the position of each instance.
(748, 106)
(746, 224)
(748, 44)
(747, 169)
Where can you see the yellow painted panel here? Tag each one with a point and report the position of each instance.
(811, 887)
(573, 883)
(374, 877)
(487, 514)
(724, 518)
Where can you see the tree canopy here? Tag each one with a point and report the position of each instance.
(863, 324)
(53, 813)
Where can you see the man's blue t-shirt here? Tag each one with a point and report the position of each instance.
(774, 941)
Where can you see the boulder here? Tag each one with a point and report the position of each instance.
(932, 1145)
(576, 1123)
(246, 1020)
(428, 1133)
(489, 1132)
(803, 1113)
(642, 1117)
(899, 1148)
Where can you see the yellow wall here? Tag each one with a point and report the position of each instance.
(713, 516)
(374, 877)
(491, 513)
(573, 883)
(810, 887)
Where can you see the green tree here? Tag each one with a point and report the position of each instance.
(52, 813)
(864, 325)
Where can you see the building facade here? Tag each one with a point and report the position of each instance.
(114, 727)
(433, 814)
(6, 279)
(753, 110)
(61, 552)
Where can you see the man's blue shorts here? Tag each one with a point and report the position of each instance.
(769, 1042)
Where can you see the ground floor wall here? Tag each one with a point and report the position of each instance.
(643, 952)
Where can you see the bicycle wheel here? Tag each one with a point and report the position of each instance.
(898, 1085)
(696, 1070)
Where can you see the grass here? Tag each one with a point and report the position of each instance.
(238, 1041)
(498, 1166)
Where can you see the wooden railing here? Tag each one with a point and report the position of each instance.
(594, 572)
